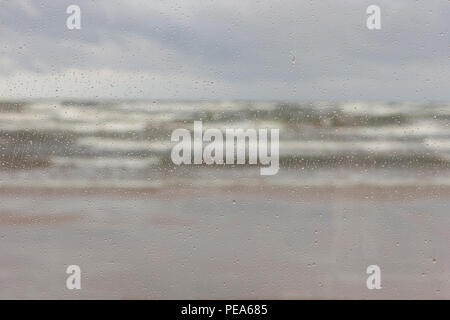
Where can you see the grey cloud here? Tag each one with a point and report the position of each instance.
(240, 42)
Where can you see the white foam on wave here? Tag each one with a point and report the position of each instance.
(105, 162)
(372, 109)
(50, 125)
(86, 114)
(124, 145)
(84, 119)
(419, 129)
(244, 124)
(438, 144)
(324, 147)
(19, 117)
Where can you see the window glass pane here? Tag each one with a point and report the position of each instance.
(224, 149)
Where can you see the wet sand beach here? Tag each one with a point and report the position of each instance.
(225, 243)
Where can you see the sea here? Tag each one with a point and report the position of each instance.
(127, 143)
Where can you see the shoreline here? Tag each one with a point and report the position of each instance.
(316, 192)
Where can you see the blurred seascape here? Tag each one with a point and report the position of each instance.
(89, 144)
(91, 183)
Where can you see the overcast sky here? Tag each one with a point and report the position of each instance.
(229, 49)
